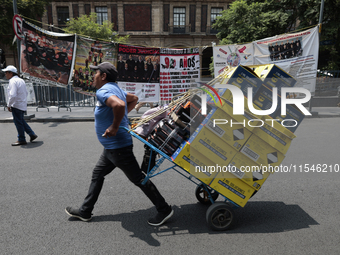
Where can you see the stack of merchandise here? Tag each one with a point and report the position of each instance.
(235, 154)
(167, 136)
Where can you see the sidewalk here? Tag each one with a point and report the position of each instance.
(79, 114)
(53, 114)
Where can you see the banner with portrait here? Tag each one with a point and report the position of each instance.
(47, 57)
(91, 52)
(138, 71)
(180, 71)
(231, 56)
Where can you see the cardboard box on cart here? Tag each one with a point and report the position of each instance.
(222, 126)
(273, 76)
(263, 100)
(261, 152)
(191, 161)
(210, 147)
(274, 134)
(243, 178)
(241, 77)
(207, 143)
(227, 106)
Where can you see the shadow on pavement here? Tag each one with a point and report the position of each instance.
(31, 145)
(256, 217)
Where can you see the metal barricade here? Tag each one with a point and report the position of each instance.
(47, 96)
(328, 83)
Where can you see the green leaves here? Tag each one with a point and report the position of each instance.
(247, 21)
(86, 25)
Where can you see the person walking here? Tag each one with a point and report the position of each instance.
(17, 104)
(113, 105)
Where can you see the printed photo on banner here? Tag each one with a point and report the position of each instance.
(46, 55)
(180, 71)
(138, 71)
(285, 49)
(90, 52)
(231, 56)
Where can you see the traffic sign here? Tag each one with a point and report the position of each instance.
(17, 26)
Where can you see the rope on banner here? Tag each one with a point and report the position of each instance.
(204, 46)
(290, 32)
(105, 40)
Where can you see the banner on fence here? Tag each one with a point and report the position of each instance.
(91, 52)
(47, 56)
(180, 71)
(138, 71)
(295, 53)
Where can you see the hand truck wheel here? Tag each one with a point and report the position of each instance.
(203, 196)
(220, 216)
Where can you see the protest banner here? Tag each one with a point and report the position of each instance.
(138, 71)
(47, 55)
(180, 71)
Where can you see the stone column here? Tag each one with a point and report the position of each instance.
(198, 15)
(156, 16)
(81, 8)
(120, 11)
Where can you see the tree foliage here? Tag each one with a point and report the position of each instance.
(86, 25)
(247, 20)
(32, 9)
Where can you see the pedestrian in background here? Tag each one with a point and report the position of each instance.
(17, 104)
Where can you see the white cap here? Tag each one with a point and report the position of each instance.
(10, 68)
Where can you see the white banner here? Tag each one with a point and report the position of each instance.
(180, 71)
(232, 55)
(295, 53)
(146, 92)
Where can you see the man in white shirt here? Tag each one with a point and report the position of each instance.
(17, 104)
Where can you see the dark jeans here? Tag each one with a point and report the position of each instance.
(126, 161)
(21, 125)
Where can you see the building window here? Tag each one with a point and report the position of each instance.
(75, 9)
(215, 12)
(192, 18)
(63, 16)
(166, 17)
(179, 20)
(87, 9)
(101, 14)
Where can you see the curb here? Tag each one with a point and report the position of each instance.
(74, 119)
(91, 119)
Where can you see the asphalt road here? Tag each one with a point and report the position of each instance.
(293, 213)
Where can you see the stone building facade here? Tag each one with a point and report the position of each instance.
(174, 24)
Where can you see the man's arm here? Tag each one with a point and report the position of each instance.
(12, 93)
(118, 108)
(131, 101)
